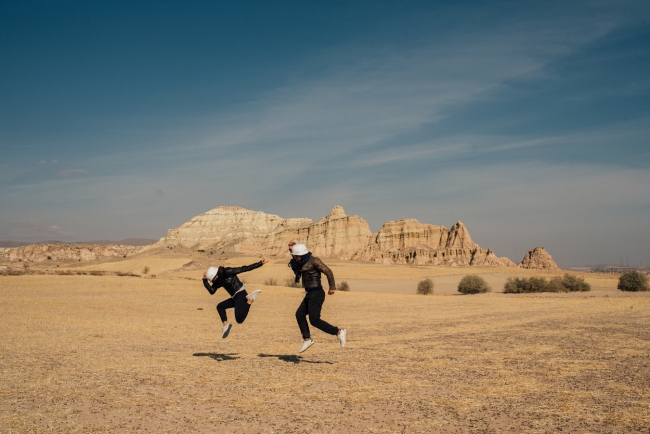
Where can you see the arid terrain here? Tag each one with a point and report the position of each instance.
(102, 352)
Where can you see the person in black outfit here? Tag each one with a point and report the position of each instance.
(309, 268)
(226, 277)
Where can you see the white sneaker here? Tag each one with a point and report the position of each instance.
(342, 336)
(253, 295)
(305, 345)
(226, 330)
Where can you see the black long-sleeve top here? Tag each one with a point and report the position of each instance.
(228, 279)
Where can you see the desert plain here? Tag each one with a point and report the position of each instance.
(83, 349)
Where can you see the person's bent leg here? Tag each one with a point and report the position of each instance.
(221, 308)
(241, 307)
(314, 307)
(301, 317)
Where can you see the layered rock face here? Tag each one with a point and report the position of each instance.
(235, 229)
(538, 259)
(231, 227)
(409, 241)
(65, 252)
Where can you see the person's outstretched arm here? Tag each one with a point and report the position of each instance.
(320, 266)
(243, 269)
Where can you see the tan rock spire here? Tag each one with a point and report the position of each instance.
(538, 259)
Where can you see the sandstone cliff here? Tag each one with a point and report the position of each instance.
(63, 252)
(538, 259)
(407, 241)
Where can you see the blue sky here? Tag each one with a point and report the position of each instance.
(528, 121)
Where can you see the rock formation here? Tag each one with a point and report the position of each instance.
(409, 241)
(538, 259)
(65, 252)
(238, 230)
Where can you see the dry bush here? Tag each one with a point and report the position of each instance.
(64, 272)
(575, 283)
(529, 285)
(122, 274)
(473, 284)
(291, 283)
(145, 270)
(96, 273)
(633, 281)
(425, 287)
(12, 272)
(344, 286)
(271, 281)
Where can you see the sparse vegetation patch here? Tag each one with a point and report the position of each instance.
(344, 286)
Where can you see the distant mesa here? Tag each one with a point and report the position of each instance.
(237, 230)
(66, 252)
(538, 259)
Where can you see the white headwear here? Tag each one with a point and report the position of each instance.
(299, 250)
(212, 271)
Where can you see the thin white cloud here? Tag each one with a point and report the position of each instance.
(72, 172)
(42, 162)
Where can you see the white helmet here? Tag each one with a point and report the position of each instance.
(212, 271)
(299, 250)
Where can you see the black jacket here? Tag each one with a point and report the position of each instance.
(228, 279)
(311, 271)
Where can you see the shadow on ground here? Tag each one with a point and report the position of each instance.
(216, 356)
(291, 358)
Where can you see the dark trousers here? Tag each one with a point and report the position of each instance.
(240, 303)
(311, 305)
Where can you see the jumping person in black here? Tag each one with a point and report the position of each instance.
(226, 277)
(310, 268)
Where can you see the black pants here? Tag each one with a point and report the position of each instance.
(311, 305)
(240, 303)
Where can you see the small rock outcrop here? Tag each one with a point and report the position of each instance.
(538, 259)
(66, 252)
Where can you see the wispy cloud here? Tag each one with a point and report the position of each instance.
(72, 172)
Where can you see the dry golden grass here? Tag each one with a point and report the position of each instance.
(122, 354)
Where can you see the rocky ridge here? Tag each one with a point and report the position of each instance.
(407, 241)
(66, 252)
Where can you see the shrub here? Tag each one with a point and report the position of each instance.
(343, 286)
(271, 281)
(575, 283)
(473, 284)
(291, 283)
(425, 287)
(145, 270)
(96, 273)
(526, 285)
(633, 281)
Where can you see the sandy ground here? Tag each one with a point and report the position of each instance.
(125, 354)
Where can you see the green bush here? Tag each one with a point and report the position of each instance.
(473, 284)
(633, 281)
(575, 283)
(425, 287)
(343, 286)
